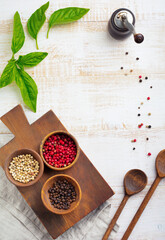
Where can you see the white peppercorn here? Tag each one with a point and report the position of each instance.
(24, 168)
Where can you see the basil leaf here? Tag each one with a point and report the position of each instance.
(36, 21)
(27, 87)
(8, 76)
(66, 15)
(18, 34)
(31, 59)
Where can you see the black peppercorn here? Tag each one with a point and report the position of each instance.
(138, 114)
(62, 194)
(137, 58)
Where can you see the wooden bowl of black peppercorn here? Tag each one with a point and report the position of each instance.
(61, 194)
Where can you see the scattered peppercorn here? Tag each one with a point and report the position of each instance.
(149, 126)
(149, 114)
(134, 148)
(149, 154)
(148, 98)
(59, 150)
(137, 58)
(62, 194)
(147, 139)
(140, 76)
(146, 78)
(141, 103)
(140, 125)
(134, 140)
(140, 80)
(126, 53)
(138, 107)
(125, 74)
(121, 68)
(24, 168)
(131, 70)
(150, 86)
(138, 114)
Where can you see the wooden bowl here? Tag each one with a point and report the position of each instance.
(54, 133)
(45, 194)
(20, 152)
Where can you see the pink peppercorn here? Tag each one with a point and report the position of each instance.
(59, 150)
(149, 154)
(140, 125)
(140, 76)
(148, 98)
(134, 140)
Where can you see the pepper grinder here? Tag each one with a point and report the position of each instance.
(121, 25)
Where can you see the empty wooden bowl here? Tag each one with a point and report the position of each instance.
(45, 195)
(74, 140)
(21, 152)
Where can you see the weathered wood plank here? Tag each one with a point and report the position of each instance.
(83, 69)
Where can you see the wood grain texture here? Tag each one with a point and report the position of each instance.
(82, 83)
(95, 190)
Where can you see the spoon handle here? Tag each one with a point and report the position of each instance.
(113, 221)
(141, 208)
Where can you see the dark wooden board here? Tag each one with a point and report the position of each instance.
(94, 188)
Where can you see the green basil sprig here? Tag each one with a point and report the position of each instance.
(18, 34)
(14, 70)
(31, 59)
(66, 15)
(36, 21)
(27, 87)
(8, 75)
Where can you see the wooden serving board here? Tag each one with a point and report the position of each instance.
(94, 188)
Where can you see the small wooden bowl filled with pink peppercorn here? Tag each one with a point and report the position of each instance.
(59, 150)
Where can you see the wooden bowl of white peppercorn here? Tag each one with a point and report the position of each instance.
(24, 167)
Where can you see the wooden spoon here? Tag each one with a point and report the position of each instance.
(160, 167)
(134, 181)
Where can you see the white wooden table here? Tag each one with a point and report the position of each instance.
(82, 83)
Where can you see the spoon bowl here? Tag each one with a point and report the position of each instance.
(160, 164)
(135, 181)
